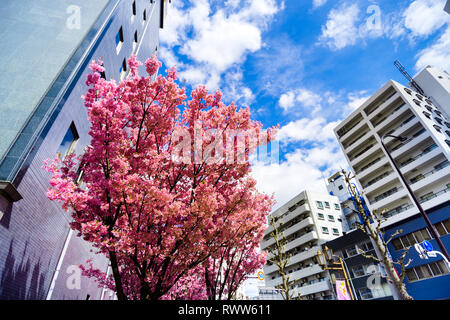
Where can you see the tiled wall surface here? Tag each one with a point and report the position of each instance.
(33, 231)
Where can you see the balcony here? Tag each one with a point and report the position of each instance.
(320, 286)
(298, 226)
(369, 150)
(402, 148)
(394, 115)
(398, 210)
(302, 240)
(298, 257)
(357, 142)
(350, 127)
(371, 167)
(434, 195)
(289, 216)
(372, 184)
(410, 122)
(299, 274)
(383, 103)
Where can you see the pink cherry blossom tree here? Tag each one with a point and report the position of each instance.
(165, 184)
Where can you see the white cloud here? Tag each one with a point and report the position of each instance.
(423, 17)
(438, 54)
(341, 28)
(215, 40)
(305, 129)
(302, 96)
(318, 3)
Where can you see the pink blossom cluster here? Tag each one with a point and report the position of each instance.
(163, 224)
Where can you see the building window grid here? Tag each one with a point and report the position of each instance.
(411, 239)
(426, 271)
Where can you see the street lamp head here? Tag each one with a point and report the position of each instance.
(400, 138)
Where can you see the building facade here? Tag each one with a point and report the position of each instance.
(306, 221)
(45, 63)
(365, 275)
(423, 158)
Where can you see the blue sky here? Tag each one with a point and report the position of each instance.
(302, 64)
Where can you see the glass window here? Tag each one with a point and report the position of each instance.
(337, 207)
(426, 271)
(340, 187)
(419, 237)
(321, 216)
(440, 228)
(435, 269)
(327, 205)
(335, 231)
(123, 69)
(325, 230)
(68, 143)
(358, 271)
(443, 267)
(447, 225)
(411, 275)
(119, 37)
(411, 239)
(426, 234)
(351, 251)
(397, 244)
(331, 218)
(405, 241)
(319, 204)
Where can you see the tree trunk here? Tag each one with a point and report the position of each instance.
(117, 277)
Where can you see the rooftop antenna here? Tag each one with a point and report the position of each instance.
(407, 76)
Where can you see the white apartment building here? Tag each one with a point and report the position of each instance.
(307, 221)
(436, 84)
(423, 158)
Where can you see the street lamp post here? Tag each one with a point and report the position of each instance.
(324, 259)
(431, 228)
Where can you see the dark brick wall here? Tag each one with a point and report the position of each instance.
(33, 231)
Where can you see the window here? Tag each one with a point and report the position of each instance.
(438, 129)
(144, 17)
(321, 216)
(327, 205)
(103, 75)
(119, 40)
(429, 108)
(337, 207)
(123, 69)
(335, 231)
(135, 41)
(358, 271)
(448, 142)
(341, 187)
(330, 218)
(427, 115)
(417, 102)
(325, 230)
(69, 141)
(133, 9)
(319, 204)
(351, 251)
(408, 91)
(419, 97)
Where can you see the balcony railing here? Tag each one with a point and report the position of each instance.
(370, 164)
(386, 194)
(434, 195)
(409, 140)
(362, 152)
(381, 103)
(426, 151)
(390, 114)
(423, 176)
(398, 210)
(373, 181)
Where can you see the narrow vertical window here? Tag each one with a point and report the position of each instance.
(123, 69)
(119, 40)
(69, 141)
(133, 9)
(135, 41)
